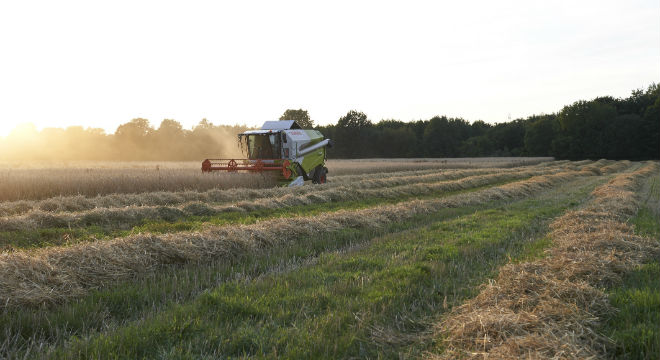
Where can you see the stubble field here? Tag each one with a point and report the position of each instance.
(438, 258)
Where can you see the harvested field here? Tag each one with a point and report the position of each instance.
(78, 203)
(388, 265)
(134, 215)
(374, 166)
(41, 180)
(550, 308)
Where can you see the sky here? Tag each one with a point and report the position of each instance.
(100, 64)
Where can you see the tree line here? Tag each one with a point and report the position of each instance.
(134, 140)
(605, 127)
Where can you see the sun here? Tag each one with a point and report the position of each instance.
(6, 128)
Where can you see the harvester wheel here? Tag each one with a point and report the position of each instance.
(320, 175)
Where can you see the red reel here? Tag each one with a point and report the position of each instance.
(286, 172)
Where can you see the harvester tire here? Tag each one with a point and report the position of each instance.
(320, 175)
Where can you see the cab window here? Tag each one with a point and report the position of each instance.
(266, 146)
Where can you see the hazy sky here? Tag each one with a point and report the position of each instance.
(101, 64)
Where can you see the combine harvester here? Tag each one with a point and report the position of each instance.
(281, 146)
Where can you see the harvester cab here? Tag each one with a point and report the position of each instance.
(280, 146)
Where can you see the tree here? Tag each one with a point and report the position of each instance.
(539, 133)
(443, 136)
(170, 141)
(391, 124)
(477, 146)
(353, 135)
(581, 126)
(133, 140)
(508, 138)
(300, 116)
(622, 138)
(395, 142)
(203, 125)
(479, 128)
(354, 119)
(135, 129)
(170, 130)
(650, 132)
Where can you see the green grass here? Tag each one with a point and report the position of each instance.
(344, 294)
(26, 239)
(646, 223)
(636, 326)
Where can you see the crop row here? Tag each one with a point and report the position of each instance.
(157, 198)
(217, 196)
(127, 217)
(56, 274)
(549, 308)
(365, 167)
(33, 184)
(562, 164)
(46, 180)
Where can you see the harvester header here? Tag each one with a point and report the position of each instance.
(282, 146)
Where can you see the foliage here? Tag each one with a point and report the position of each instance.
(443, 136)
(351, 132)
(539, 133)
(300, 116)
(604, 127)
(134, 140)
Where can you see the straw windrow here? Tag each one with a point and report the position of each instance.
(217, 196)
(127, 217)
(56, 274)
(550, 308)
(43, 180)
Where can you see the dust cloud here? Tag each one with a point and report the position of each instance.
(132, 141)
